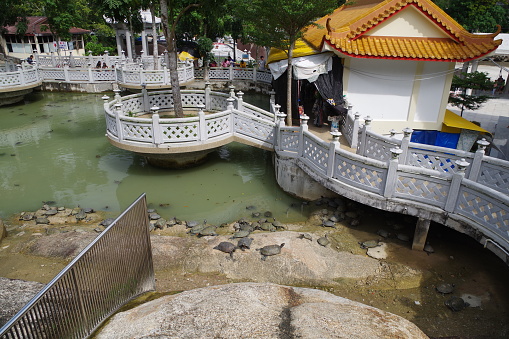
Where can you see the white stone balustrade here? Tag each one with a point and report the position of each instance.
(470, 189)
(23, 76)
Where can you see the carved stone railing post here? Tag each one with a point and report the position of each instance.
(272, 100)
(53, 59)
(364, 135)
(117, 96)
(475, 169)
(118, 112)
(105, 101)
(355, 129)
(21, 75)
(230, 108)
(240, 101)
(392, 172)
(207, 95)
(66, 73)
(166, 77)
(142, 75)
(107, 58)
(457, 178)
(90, 72)
(303, 128)
(202, 126)
(232, 91)
(276, 112)
(255, 75)
(230, 69)
(157, 133)
(279, 123)
(333, 146)
(145, 98)
(407, 133)
(392, 133)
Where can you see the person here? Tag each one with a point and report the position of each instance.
(225, 63)
(104, 65)
(30, 59)
(500, 83)
(98, 65)
(242, 64)
(213, 63)
(261, 63)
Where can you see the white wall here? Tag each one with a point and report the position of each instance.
(380, 88)
(431, 89)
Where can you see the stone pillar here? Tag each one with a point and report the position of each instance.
(207, 96)
(475, 169)
(407, 134)
(202, 126)
(119, 43)
(240, 101)
(129, 46)
(392, 172)
(420, 234)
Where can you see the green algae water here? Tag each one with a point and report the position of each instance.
(53, 148)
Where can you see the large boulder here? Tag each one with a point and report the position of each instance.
(14, 294)
(257, 310)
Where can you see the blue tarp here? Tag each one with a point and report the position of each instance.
(435, 138)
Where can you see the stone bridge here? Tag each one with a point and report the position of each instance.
(465, 191)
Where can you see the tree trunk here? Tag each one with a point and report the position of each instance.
(155, 50)
(289, 86)
(172, 62)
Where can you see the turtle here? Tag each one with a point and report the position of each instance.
(328, 223)
(151, 210)
(107, 222)
(244, 243)
(267, 226)
(88, 210)
(383, 233)
(456, 304)
(270, 250)
(334, 218)
(255, 214)
(171, 222)
(250, 208)
(226, 247)
(403, 237)
(196, 229)
(80, 215)
(209, 230)
(246, 227)
(277, 224)
(305, 236)
(323, 241)
(368, 244)
(192, 223)
(267, 214)
(27, 216)
(240, 234)
(445, 288)
(154, 216)
(160, 223)
(355, 222)
(428, 249)
(52, 211)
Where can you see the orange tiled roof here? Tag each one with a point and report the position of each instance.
(344, 30)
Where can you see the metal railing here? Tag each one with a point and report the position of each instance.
(111, 270)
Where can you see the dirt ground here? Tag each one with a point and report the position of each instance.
(38, 252)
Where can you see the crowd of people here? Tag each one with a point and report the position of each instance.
(227, 62)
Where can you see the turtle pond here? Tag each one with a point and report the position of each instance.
(53, 150)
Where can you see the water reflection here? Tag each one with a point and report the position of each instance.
(52, 147)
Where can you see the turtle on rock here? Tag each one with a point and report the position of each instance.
(226, 247)
(244, 243)
(305, 236)
(456, 304)
(369, 244)
(323, 241)
(445, 288)
(209, 230)
(269, 250)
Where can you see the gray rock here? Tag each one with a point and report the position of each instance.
(14, 294)
(263, 310)
(42, 220)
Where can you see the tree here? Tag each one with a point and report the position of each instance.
(474, 81)
(477, 15)
(279, 23)
(171, 12)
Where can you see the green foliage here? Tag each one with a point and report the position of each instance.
(204, 47)
(477, 15)
(97, 48)
(475, 81)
